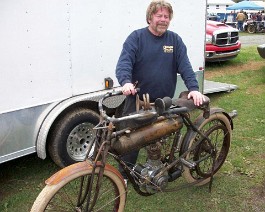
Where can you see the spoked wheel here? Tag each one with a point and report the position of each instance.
(209, 155)
(251, 29)
(70, 194)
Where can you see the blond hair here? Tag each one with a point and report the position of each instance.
(155, 5)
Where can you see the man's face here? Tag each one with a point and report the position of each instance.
(159, 22)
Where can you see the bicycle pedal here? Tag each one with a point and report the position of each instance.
(189, 164)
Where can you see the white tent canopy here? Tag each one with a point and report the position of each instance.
(260, 3)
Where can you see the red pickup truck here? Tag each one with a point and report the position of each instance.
(222, 42)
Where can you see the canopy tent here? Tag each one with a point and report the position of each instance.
(260, 3)
(245, 5)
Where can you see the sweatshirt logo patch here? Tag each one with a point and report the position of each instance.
(168, 49)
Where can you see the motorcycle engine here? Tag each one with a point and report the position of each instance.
(146, 174)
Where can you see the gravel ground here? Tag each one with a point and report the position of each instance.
(252, 40)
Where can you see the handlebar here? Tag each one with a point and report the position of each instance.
(157, 112)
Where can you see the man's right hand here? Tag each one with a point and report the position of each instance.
(128, 89)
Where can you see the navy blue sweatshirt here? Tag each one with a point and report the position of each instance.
(154, 62)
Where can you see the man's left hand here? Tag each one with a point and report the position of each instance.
(198, 98)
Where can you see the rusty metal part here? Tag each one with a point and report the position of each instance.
(154, 151)
(145, 104)
(146, 135)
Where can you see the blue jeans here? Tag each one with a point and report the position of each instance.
(240, 25)
(131, 158)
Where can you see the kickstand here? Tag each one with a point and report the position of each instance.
(212, 173)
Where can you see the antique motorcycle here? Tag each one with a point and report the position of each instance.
(156, 130)
(255, 27)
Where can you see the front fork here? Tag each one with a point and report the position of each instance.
(102, 147)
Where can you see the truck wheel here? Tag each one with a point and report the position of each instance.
(73, 136)
(251, 29)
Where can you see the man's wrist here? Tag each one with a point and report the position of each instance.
(124, 82)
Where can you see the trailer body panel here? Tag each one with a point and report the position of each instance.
(55, 54)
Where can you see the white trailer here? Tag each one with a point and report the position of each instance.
(54, 59)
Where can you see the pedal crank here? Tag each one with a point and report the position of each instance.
(189, 164)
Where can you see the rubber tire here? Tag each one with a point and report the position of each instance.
(190, 138)
(251, 29)
(49, 191)
(57, 144)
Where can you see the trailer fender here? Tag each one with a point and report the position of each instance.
(59, 108)
(78, 167)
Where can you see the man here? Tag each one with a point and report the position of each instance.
(240, 20)
(259, 17)
(153, 56)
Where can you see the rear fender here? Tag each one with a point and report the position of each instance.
(77, 167)
(199, 120)
(220, 110)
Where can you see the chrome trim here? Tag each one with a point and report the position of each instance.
(17, 154)
(221, 55)
(220, 31)
(229, 38)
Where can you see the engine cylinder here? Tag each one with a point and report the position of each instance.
(146, 135)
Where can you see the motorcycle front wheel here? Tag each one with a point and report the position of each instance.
(70, 194)
(209, 156)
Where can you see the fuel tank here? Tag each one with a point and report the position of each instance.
(146, 135)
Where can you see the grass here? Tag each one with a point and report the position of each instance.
(245, 33)
(238, 186)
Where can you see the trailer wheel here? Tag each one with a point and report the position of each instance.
(73, 136)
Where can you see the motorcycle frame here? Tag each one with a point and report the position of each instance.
(104, 136)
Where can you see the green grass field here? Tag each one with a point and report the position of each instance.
(238, 186)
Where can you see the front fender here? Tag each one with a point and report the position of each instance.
(77, 167)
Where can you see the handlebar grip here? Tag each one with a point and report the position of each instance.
(116, 93)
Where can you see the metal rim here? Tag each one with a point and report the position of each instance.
(80, 140)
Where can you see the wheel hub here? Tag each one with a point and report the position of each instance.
(80, 141)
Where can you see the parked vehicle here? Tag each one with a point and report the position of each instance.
(212, 17)
(261, 50)
(222, 42)
(57, 60)
(196, 153)
(255, 26)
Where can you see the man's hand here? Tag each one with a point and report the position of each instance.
(198, 98)
(128, 89)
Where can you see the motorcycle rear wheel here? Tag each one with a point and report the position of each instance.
(217, 127)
